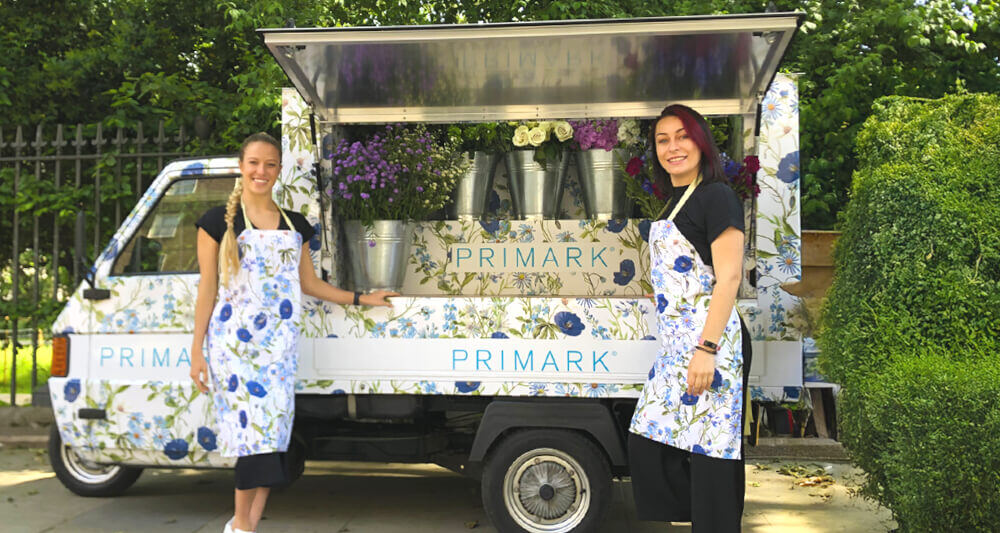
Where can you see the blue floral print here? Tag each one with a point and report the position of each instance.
(260, 321)
(499, 335)
(285, 309)
(226, 312)
(243, 334)
(71, 390)
(617, 225)
(626, 271)
(243, 419)
(176, 449)
(709, 423)
(233, 383)
(206, 438)
(467, 386)
(788, 168)
(569, 323)
(644, 226)
(256, 389)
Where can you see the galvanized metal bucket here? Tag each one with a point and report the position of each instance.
(473, 189)
(602, 184)
(535, 192)
(378, 254)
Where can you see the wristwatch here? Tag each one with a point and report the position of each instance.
(357, 298)
(709, 344)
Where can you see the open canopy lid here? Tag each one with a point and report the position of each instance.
(720, 65)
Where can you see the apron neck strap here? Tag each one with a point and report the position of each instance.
(682, 201)
(248, 225)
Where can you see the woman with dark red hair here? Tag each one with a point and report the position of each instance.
(685, 445)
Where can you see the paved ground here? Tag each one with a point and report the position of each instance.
(385, 498)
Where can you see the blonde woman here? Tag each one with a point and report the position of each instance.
(255, 265)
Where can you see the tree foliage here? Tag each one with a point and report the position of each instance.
(134, 60)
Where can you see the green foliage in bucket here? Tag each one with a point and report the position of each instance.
(911, 329)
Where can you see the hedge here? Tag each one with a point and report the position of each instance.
(911, 327)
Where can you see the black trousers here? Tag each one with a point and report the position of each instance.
(674, 485)
(261, 470)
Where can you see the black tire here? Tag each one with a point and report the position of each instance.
(84, 478)
(546, 480)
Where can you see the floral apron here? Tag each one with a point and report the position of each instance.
(252, 343)
(708, 424)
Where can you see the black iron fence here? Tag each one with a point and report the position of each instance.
(49, 176)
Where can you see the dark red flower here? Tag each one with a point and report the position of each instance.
(634, 166)
(751, 164)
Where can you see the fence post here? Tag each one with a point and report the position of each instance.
(37, 145)
(59, 143)
(16, 264)
(78, 143)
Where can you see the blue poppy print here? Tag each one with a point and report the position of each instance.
(644, 226)
(493, 203)
(285, 309)
(233, 383)
(652, 372)
(256, 389)
(226, 312)
(260, 321)
(243, 334)
(338, 392)
(467, 386)
(569, 323)
(788, 168)
(661, 303)
(194, 169)
(71, 390)
(689, 399)
(176, 449)
(648, 338)
(332, 336)
(491, 226)
(206, 438)
(243, 419)
(617, 225)
(683, 264)
(716, 380)
(699, 450)
(626, 271)
(499, 335)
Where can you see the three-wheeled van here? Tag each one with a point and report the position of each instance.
(522, 375)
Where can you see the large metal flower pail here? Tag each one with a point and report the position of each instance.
(378, 254)
(602, 184)
(535, 191)
(472, 191)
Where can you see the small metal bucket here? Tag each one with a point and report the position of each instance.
(378, 254)
(472, 191)
(602, 184)
(535, 192)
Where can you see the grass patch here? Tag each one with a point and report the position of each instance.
(44, 363)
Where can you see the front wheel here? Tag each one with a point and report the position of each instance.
(85, 478)
(546, 481)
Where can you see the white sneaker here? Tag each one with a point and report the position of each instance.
(229, 526)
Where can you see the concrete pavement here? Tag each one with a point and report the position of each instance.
(389, 498)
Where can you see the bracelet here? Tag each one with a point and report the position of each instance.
(706, 350)
(709, 344)
(357, 298)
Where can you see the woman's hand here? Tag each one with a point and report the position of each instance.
(199, 369)
(377, 298)
(700, 372)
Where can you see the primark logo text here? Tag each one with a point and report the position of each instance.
(540, 257)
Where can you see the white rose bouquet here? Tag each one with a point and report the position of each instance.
(547, 138)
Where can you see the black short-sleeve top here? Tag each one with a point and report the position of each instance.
(214, 223)
(711, 209)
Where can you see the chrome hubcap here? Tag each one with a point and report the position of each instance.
(545, 491)
(88, 472)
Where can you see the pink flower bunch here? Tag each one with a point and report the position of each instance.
(595, 133)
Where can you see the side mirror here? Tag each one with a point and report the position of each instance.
(85, 263)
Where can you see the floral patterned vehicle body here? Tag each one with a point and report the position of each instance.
(496, 315)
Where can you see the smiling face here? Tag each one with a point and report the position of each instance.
(676, 151)
(259, 166)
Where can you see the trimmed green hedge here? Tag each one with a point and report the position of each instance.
(911, 328)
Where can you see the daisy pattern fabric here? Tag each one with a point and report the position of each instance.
(252, 344)
(709, 424)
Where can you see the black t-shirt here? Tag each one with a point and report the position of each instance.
(214, 223)
(711, 209)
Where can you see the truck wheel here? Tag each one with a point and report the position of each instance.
(85, 478)
(546, 481)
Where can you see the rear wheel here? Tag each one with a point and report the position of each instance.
(87, 478)
(546, 481)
